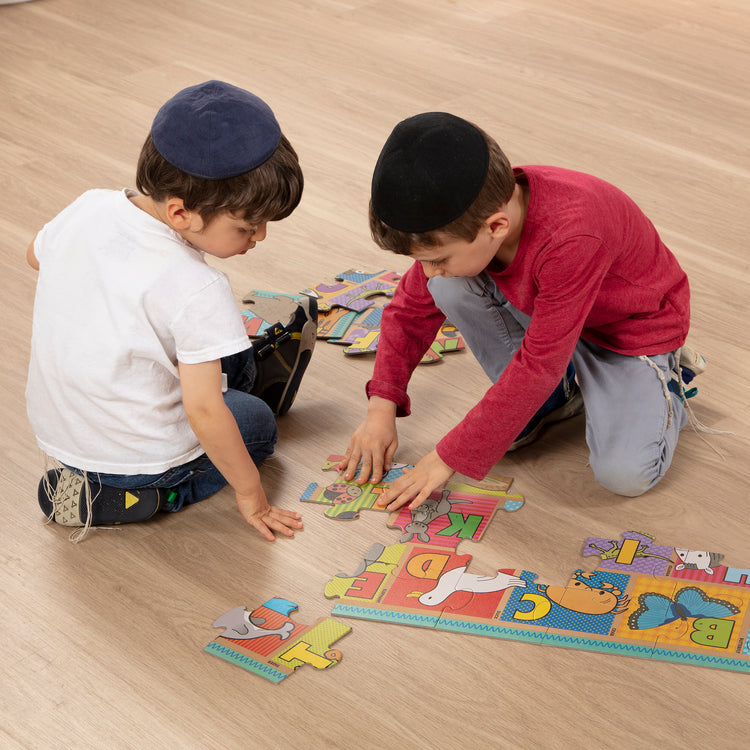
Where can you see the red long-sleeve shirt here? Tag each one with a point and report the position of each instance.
(589, 265)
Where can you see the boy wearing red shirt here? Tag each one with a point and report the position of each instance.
(560, 286)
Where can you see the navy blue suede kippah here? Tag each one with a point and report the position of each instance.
(430, 171)
(215, 130)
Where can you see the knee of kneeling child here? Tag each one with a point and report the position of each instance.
(623, 478)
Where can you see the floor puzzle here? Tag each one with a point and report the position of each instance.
(653, 601)
(268, 643)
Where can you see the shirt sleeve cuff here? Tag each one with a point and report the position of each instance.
(390, 393)
(474, 467)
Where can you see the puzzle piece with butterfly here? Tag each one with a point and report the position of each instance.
(669, 603)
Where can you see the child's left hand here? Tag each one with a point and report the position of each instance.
(266, 518)
(416, 484)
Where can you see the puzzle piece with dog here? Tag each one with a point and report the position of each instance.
(637, 603)
(268, 643)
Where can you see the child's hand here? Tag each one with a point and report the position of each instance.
(374, 443)
(416, 484)
(267, 519)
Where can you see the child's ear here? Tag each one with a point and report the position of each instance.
(498, 224)
(179, 217)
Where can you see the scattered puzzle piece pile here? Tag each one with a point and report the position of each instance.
(347, 314)
(268, 643)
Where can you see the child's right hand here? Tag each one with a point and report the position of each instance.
(373, 443)
(267, 519)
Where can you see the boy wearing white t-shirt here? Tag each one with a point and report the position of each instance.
(142, 381)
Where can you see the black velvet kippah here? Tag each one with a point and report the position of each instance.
(429, 172)
(215, 130)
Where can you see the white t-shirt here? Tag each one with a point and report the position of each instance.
(120, 299)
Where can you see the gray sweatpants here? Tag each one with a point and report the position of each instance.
(632, 419)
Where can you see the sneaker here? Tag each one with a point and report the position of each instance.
(690, 364)
(282, 355)
(65, 496)
(566, 401)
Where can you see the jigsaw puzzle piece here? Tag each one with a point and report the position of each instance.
(413, 592)
(368, 596)
(521, 613)
(353, 288)
(485, 592)
(348, 498)
(446, 518)
(266, 309)
(365, 285)
(648, 609)
(634, 553)
(364, 342)
(323, 292)
(698, 565)
(589, 602)
(371, 578)
(332, 462)
(313, 646)
(406, 592)
(333, 324)
(449, 516)
(268, 643)
(448, 339)
(360, 331)
(705, 624)
(366, 324)
(490, 487)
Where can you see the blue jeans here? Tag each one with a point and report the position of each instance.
(198, 479)
(632, 425)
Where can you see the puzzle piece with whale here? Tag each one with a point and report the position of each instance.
(622, 607)
(270, 644)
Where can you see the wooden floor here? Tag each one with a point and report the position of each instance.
(103, 640)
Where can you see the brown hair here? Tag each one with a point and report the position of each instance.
(496, 192)
(269, 192)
